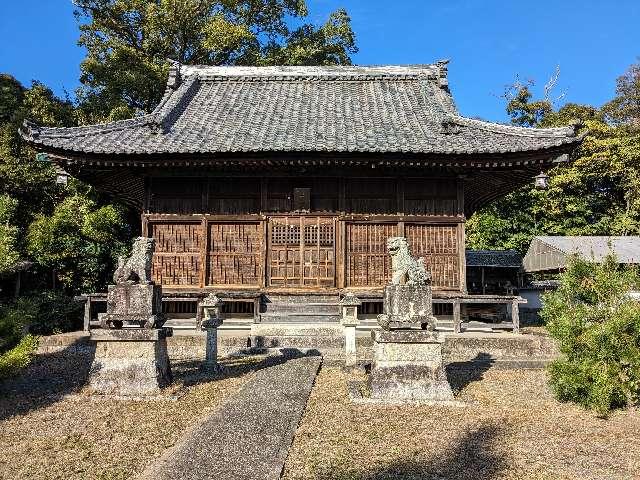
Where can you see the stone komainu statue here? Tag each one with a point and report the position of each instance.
(137, 267)
(405, 268)
(407, 301)
(134, 300)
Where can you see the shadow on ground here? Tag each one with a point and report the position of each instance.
(461, 374)
(471, 457)
(51, 376)
(188, 372)
(48, 378)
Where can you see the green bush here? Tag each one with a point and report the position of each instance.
(57, 313)
(597, 326)
(12, 361)
(14, 321)
(44, 313)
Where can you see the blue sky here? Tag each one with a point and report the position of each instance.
(489, 42)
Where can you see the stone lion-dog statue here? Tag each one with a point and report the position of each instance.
(405, 268)
(137, 267)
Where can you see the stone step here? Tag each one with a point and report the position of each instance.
(311, 307)
(299, 317)
(321, 336)
(300, 299)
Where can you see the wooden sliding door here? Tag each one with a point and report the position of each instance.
(439, 245)
(369, 265)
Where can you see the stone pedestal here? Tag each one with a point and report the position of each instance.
(211, 350)
(130, 362)
(211, 310)
(407, 306)
(407, 367)
(133, 304)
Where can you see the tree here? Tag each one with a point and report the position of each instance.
(9, 254)
(33, 206)
(624, 109)
(597, 326)
(598, 193)
(128, 44)
(79, 241)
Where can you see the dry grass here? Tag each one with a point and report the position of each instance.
(514, 429)
(45, 433)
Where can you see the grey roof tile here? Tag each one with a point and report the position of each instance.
(493, 258)
(297, 109)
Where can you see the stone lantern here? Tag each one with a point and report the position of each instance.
(211, 308)
(541, 181)
(349, 305)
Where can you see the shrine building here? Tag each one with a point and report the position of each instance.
(280, 185)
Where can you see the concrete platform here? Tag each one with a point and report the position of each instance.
(504, 350)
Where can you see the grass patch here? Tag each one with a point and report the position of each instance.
(19, 357)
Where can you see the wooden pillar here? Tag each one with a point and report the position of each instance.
(457, 320)
(204, 252)
(515, 315)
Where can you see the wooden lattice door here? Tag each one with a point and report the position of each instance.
(301, 251)
(368, 263)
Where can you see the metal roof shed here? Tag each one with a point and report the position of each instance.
(549, 253)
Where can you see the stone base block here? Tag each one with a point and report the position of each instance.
(408, 366)
(130, 362)
(407, 306)
(137, 305)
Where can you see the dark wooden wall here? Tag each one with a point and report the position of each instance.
(251, 195)
(243, 232)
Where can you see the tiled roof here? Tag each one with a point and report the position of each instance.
(493, 258)
(296, 109)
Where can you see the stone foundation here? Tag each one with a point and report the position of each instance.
(408, 366)
(130, 362)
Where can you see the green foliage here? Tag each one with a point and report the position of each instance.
(524, 112)
(19, 357)
(597, 327)
(73, 233)
(56, 313)
(14, 321)
(79, 240)
(128, 43)
(624, 109)
(42, 313)
(9, 255)
(598, 193)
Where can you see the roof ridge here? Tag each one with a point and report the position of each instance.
(32, 130)
(173, 103)
(340, 72)
(570, 130)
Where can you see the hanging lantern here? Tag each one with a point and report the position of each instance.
(542, 181)
(62, 177)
